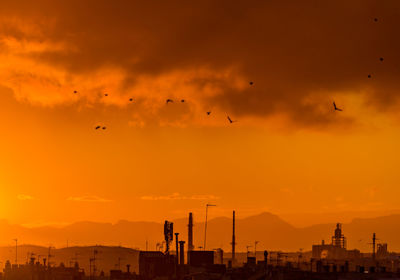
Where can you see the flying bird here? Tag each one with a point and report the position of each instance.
(103, 127)
(251, 83)
(369, 76)
(106, 94)
(169, 100)
(97, 127)
(131, 99)
(381, 58)
(75, 91)
(209, 112)
(230, 120)
(375, 19)
(183, 100)
(336, 108)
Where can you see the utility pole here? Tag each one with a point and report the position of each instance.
(247, 249)
(16, 250)
(300, 257)
(373, 245)
(205, 225)
(90, 268)
(233, 237)
(255, 249)
(49, 256)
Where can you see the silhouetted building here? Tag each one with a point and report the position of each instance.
(155, 264)
(37, 271)
(201, 258)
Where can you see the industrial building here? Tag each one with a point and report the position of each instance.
(336, 250)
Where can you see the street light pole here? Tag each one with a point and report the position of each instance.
(205, 225)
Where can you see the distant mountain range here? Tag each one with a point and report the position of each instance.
(272, 232)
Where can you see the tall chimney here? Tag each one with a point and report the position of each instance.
(190, 233)
(233, 239)
(182, 252)
(177, 248)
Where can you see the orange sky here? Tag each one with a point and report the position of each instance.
(289, 152)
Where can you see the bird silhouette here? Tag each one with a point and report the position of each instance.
(209, 112)
(75, 91)
(130, 99)
(336, 108)
(183, 100)
(169, 100)
(251, 83)
(97, 127)
(230, 120)
(369, 76)
(375, 19)
(381, 58)
(104, 127)
(106, 94)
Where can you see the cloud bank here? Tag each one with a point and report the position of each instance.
(92, 198)
(178, 196)
(25, 197)
(301, 55)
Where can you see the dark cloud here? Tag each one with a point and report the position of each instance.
(292, 50)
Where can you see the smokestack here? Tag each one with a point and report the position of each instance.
(177, 248)
(190, 233)
(182, 252)
(233, 239)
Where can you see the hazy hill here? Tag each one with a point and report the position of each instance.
(272, 232)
